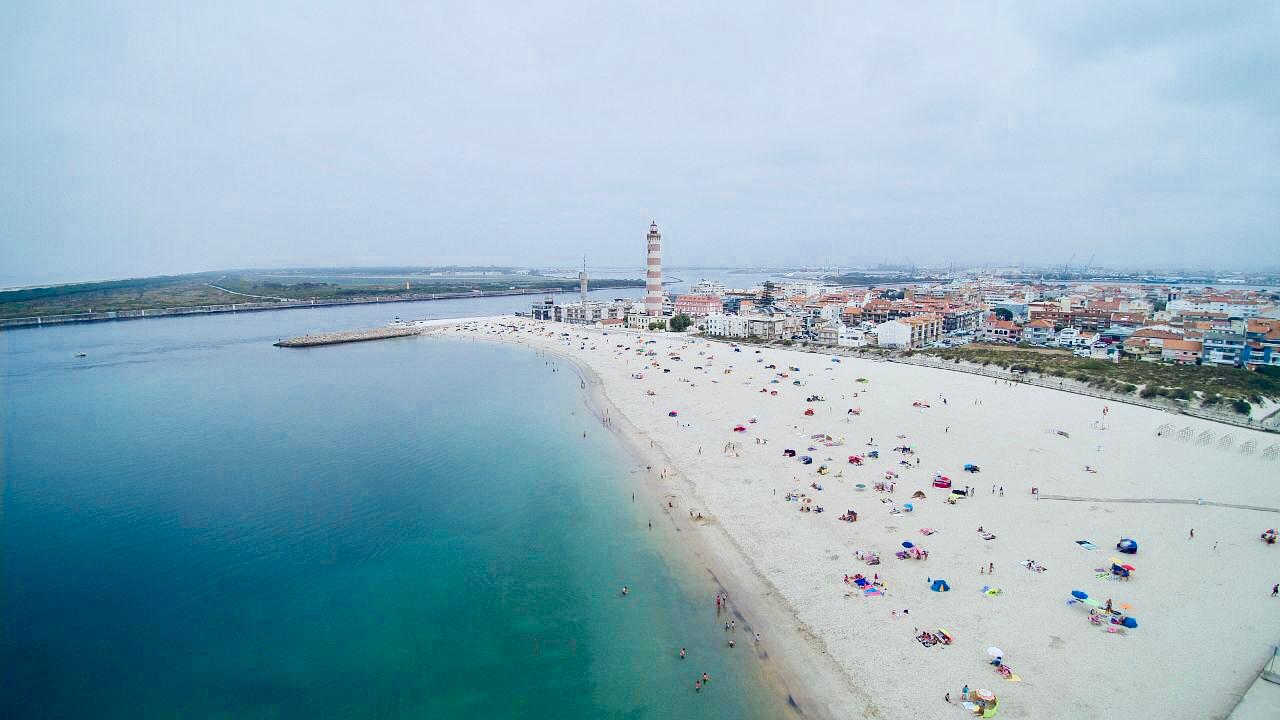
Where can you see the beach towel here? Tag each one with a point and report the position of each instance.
(1086, 545)
(873, 591)
(1014, 678)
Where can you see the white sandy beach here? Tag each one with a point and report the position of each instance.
(1206, 621)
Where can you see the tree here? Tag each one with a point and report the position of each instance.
(657, 325)
(1004, 313)
(681, 322)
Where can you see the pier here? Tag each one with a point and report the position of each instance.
(349, 336)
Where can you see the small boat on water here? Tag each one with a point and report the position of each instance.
(80, 354)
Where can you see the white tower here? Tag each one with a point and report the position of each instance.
(582, 283)
(653, 275)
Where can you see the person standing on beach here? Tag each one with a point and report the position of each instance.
(1192, 536)
(1275, 590)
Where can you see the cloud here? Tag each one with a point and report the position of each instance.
(152, 137)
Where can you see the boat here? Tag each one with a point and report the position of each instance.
(80, 354)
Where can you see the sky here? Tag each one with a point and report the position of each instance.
(157, 137)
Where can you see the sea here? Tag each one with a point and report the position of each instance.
(197, 524)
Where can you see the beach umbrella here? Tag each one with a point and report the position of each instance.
(995, 652)
(908, 544)
(1079, 594)
(1130, 568)
(985, 695)
(860, 486)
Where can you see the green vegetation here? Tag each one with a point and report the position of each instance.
(1208, 386)
(657, 325)
(223, 288)
(681, 322)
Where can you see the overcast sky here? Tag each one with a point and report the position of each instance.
(155, 137)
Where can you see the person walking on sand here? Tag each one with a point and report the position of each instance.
(1275, 590)
(1192, 536)
(991, 568)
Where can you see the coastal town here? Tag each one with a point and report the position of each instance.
(1186, 324)
(892, 483)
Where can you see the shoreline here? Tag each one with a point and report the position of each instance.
(794, 659)
(843, 654)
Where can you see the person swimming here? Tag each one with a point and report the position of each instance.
(682, 653)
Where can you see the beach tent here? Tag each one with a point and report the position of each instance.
(1128, 546)
(970, 467)
(1129, 623)
(806, 459)
(672, 413)
(908, 544)
(940, 586)
(788, 453)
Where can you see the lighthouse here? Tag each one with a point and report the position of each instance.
(653, 274)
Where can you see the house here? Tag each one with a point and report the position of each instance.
(698, 306)
(767, 327)
(993, 330)
(721, 325)
(841, 336)
(910, 332)
(1263, 338)
(1038, 332)
(1185, 352)
(1224, 348)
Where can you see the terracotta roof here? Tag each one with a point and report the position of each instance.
(1186, 345)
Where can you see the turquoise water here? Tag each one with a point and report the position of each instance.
(196, 524)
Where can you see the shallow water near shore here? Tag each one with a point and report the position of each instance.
(196, 524)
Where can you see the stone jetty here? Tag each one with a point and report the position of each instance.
(335, 338)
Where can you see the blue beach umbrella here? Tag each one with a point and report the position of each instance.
(907, 544)
(1129, 623)
(1079, 594)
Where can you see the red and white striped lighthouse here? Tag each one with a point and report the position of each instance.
(653, 276)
